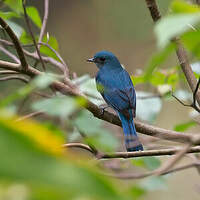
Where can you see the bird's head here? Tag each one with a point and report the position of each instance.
(105, 58)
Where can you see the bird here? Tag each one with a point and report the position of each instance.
(116, 88)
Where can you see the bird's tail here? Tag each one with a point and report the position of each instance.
(131, 139)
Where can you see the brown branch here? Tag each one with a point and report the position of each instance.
(13, 77)
(144, 175)
(78, 145)
(7, 72)
(35, 56)
(170, 163)
(45, 18)
(153, 8)
(9, 54)
(180, 51)
(16, 42)
(29, 116)
(31, 33)
(109, 117)
(161, 152)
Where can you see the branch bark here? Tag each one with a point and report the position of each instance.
(180, 52)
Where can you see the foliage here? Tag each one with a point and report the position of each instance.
(34, 165)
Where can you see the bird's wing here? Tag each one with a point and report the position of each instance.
(118, 92)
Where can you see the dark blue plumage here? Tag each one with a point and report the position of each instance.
(118, 92)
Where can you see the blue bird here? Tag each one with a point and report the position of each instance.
(116, 87)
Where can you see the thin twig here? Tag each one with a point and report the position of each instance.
(30, 30)
(29, 116)
(44, 23)
(14, 77)
(170, 163)
(180, 51)
(50, 60)
(144, 175)
(9, 54)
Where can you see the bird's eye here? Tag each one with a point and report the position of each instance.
(102, 59)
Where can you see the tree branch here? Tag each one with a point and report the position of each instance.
(125, 155)
(32, 36)
(16, 42)
(181, 52)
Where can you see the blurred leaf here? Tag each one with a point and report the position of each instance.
(144, 111)
(151, 163)
(97, 135)
(180, 6)
(164, 89)
(19, 94)
(157, 60)
(184, 126)
(25, 39)
(58, 106)
(48, 176)
(137, 192)
(173, 25)
(154, 183)
(183, 95)
(18, 30)
(191, 40)
(8, 15)
(157, 78)
(15, 5)
(89, 88)
(44, 80)
(33, 13)
(196, 67)
(137, 79)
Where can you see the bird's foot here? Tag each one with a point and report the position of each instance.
(102, 109)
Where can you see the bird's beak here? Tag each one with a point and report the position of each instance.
(91, 60)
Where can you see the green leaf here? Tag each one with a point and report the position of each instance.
(137, 192)
(25, 38)
(46, 50)
(33, 13)
(180, 6)
(173, 25)
(8, 15)
(154, 183)
(157, 59)
(144, 111)
(137, 79)
(58, 106)
(15, 5)
(100, 137)
(35, 158)
(18, 30)
(191, 41)
(89, 87)
(151, 163)
(44, 80)
(184, 126)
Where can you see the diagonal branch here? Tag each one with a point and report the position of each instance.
(16, 42)
(33, 38)
(180, 52)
